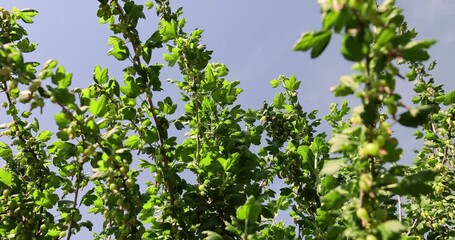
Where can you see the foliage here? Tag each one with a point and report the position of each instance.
(347, 184)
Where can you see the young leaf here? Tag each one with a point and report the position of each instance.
(274, 83)
(100, 75)
(305, 42)
(279, 100)
(61, 78)
(119, 50)
(132, 141)
(44, 136)
(168, 30)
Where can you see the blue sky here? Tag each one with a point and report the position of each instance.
(253, 38)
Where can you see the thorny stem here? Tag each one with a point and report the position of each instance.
(196, 103)
(137, 62)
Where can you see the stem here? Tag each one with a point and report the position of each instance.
(400, 211)
(413, 225)
(196, 104)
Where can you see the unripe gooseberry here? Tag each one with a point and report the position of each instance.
(371, 237)
(366, 181)
(35, 85)
(371, 149)
(25, 96)
(158, 178)
(130, 183)
(53, 99)
(43, 227)
(124, 169)
(113, 187)
(62, 234)
(6, 193)
(362, 213)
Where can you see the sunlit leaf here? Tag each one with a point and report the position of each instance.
(6, 177)
(5, 152)
(98, 107)
(119, 50)
(100, 75)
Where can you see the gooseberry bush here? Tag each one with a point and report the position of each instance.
(345, 184)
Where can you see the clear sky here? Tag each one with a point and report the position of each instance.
(253, 38)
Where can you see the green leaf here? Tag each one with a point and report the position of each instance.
(417, 116)
(25, 45)
(306, 153)
(5, 152)
(330, 19)
(61, 120)
(168, 30)
(331, 167)
(63, 96)
(25, 14)
(391, 229)
(167, 106)
(132, 141)
(6, 177)
(317, 41)
(327, 184)
(291, 84)
(274, 83)
(449, 98)
(98, 107)
(385, 36)
(128, 113)
(130, 89)
(305, 42)
(416, 184)
(100, 75)
(212, 235)
(320, 42)
(279, 100)
(335, 199)
(352, 48)
(44, 136)
(119, 50)
(250, 211)
(45, 199)
(338, 141)
(61, 78)
(416, 50)
(229, 162)
(54, 232)
(149, 4)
